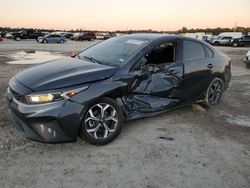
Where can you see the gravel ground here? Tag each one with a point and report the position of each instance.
(202, 149)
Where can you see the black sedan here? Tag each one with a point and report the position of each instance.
(124, 78)
(243, 41)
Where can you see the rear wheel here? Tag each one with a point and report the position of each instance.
(214, 92)
(102, 122)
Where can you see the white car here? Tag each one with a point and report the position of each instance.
(231, 34)
(247, 59)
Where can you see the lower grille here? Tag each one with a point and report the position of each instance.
(18, 96)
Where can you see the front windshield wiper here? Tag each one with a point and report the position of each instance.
(92, 59)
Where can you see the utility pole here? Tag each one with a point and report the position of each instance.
(235, 26)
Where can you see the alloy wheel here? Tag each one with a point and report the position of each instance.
(101, 121)
(235, 44)
(215, 92)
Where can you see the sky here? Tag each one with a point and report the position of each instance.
(162, 15)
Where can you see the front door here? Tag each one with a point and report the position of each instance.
(157, 78)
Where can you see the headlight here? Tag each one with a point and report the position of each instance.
(43, 98)
(53, 96)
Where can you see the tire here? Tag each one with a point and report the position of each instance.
(216, 43)
(235, 44)
(95, 128)
(214, 92)
(44, 41)
(61, 41)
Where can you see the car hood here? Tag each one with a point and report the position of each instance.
(62, 73)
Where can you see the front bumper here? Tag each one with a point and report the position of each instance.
(39, 40)
(52, 123)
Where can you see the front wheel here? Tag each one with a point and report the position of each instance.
(44, 41)
(214, 92)
(235, 44)
(216, 43)
(102, 122)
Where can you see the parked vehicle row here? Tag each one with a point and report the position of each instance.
(223, 39)
(231, 39)
(46, 37)
(89, 36)
(27, 34)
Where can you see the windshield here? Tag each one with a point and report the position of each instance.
(115, 51)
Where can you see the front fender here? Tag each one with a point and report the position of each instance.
(97, 90)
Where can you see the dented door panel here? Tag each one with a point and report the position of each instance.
(154, 88)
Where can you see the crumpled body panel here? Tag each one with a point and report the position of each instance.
(153, 91)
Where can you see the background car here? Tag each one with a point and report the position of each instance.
(247, 59)
(243, 41)
(1, 38)
(27, 34)
(222, 40)
(3, 33)
(123, 78)
(206, 38)
(109, 35)
(52, 39)
(67, 35)
(100, 35)
(89, 36)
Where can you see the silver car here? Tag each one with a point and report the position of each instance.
(52, 39)
(221, 40)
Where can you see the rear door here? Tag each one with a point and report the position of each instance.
(198, 68)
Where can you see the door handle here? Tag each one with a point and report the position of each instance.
(210, 66)
(173, 71)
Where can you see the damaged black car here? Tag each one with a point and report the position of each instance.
(133, 76)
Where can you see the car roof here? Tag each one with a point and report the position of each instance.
(158, 37)
(152, 36)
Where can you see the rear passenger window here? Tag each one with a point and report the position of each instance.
(210, 53)
(193, 50)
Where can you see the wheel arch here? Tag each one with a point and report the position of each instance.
(104, 89)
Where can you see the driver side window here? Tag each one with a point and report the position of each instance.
(162, 54)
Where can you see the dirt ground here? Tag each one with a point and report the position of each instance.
(202, 149)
